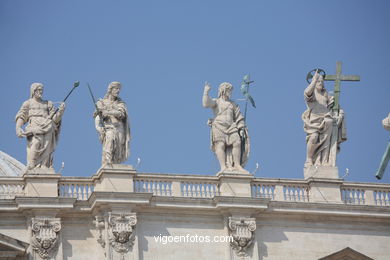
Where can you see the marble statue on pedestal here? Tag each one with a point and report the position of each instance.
(319, 123)
(111, 121)
(229, 134)
(42, 130)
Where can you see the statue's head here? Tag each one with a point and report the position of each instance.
(114, 89)
(225, 90)
(320, 83)
(36, 90)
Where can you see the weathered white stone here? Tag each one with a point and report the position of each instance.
(242, 230)
(43, 128)
(229, 135)
(45, 237)
(295, 219)
(321, 172)
(41, 185)
(325, 129)
(112, 123)
(117, 178)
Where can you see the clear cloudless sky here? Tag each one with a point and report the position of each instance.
(163, 51)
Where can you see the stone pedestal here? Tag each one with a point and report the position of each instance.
(118, 178)
(325, 190)
(235, 184)
(328, 172)
(41, 184)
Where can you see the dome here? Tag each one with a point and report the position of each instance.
(9, 166)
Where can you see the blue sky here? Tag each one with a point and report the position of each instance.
(164, 51)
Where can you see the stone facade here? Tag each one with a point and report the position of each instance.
(119, 213)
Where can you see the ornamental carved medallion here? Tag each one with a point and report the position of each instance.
(242, 231)
(121, 233)
(45, 236)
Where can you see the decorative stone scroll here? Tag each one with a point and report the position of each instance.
(45, 236)
(117, 232)
(100, 226)
(121, 231)
(243, 232)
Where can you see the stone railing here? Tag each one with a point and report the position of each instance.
(73, 187)
(157, 186)
(280, 190)
(203, 186)
(365, 194)
(10, 187)
(177, 185)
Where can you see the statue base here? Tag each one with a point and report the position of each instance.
(118, 166)
(40, 171)
(323, 172)
(232, 172)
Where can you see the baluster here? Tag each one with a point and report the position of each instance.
(86, 191)
(382, 198)
(182, 189)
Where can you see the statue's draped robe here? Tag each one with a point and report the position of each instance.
(116, 135)
(318, 119)
(225, 128)
(42, 132)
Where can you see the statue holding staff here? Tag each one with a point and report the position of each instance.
(229, 135)
(42, 130)
(111, 121)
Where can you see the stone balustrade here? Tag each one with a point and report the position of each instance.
(202, 186)
(281, 190)
(366, 194)
(79, 188)
(157, 186)
(11, 187)
(197, 186)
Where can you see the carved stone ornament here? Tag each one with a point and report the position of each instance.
(121, 233)
(45, 233)
(242, 231)
(99, 223)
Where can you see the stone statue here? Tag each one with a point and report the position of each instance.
(42, 130)
(111, 121)
(319, 123)
(386, 122)
(229, 135)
